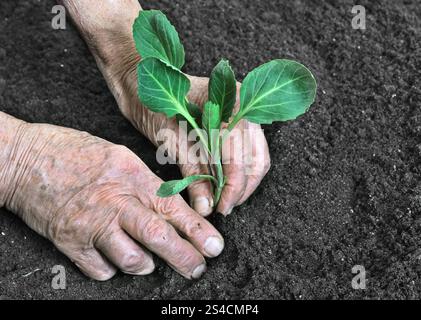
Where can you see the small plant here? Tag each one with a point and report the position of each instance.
(279, 90)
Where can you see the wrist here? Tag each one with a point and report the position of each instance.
(26, 159)
(11, 131)
(24, 147)
(94, 16)
(106, 26)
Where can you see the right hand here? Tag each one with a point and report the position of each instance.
(106, 26)
(97, 203)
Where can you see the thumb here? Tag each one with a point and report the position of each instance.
(200, 192)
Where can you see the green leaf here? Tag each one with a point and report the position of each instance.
(162, 88)
(211, 122)
(194, 111)
(223, 88)
(156, 37)
(279, 90)
(210, 118)
(173, 187)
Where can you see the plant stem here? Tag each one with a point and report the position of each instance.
(219, 172)
(195, 126)
(234, 121)
(231, 126)
(217, 158)
(208, 177)
(220, 181)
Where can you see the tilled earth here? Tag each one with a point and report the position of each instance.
(344, 188)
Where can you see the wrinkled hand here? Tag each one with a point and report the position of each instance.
(107, 28)
(245, 157)
(96, 202)
(245, 153)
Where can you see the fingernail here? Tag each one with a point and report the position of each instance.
(211, 204)
(214, 246)
(202, 206)
(197, 273)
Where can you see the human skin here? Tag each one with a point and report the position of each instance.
(106, 26)
(97, 203)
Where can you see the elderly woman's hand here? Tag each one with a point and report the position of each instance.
(107, 27)
(97, 203)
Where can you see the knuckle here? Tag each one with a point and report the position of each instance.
(132, 261)
(70, 228)
(156, 232)
(194, 227)
(80, 222)
(189, 169)
(124, 159)
(167, 206)
(199, 186)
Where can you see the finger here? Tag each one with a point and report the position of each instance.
(195, 228)
(199, 90)
(234, 171)
(160, 237)
(200, 192)
(260, 161)
(191, 159)
(174, 210)
(93, 264)
(124, 253)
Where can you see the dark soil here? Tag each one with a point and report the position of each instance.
(345, 184)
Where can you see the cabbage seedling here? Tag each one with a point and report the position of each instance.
(279, 90)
